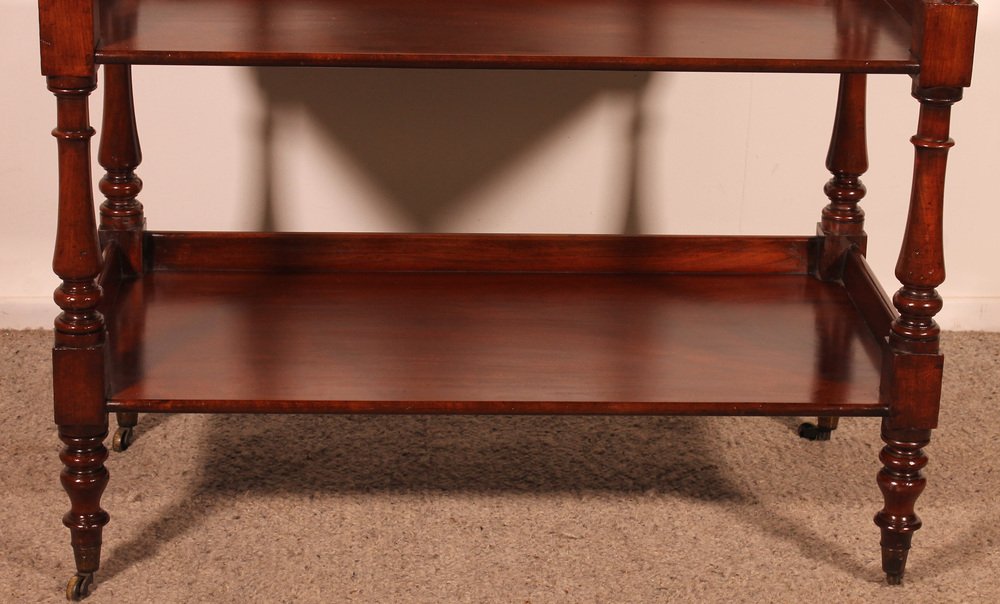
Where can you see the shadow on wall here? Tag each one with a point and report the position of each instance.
(427, 138)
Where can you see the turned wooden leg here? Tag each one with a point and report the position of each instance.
(79, 351)
(913, 364)
(84, 478)
(901, 482)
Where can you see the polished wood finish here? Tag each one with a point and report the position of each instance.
(871, 301)
(121, 213)
(367, 252)
(78, 354)
(697, 35)
(900, 481)
(122, 220)
(843, 221)
(84, 478)
(67, 38)
(379, 323)
(944, 38)
(495, 342)
(842, 224)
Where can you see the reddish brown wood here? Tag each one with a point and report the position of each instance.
(122, 219)
(868, 297)
(67, 37)
(78, 356)
(364, 252)
(842, 224)
(121, 213)
(112, 274)
(833, 333)
(84, 478)
(943, 38)
(911, 386)
(500, 324)
(712, 35)
(79, 335)
(847, 158)
(920, 267)
(77, 258)
(901, 482)
(467, 342)
(843, 221)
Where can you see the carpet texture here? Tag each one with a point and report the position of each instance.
(501, 509)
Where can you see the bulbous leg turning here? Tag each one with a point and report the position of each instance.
(901, 482)
(84, 478)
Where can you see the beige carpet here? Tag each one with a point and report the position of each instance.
(439, 509)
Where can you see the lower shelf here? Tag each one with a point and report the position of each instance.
(491, 342)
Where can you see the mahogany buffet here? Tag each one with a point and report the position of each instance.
(498, 324)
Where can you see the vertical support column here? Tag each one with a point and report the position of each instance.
(944, 34)
(912, 376)
(843, 220)
(121, 213)
(78, 355)
(842, 225)
(920, 267)
(122, 221)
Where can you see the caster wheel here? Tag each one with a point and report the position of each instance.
(894, 579)
(811, 431)
(79, 586)
(123, 439)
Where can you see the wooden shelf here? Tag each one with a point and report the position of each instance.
(716, 35)
(542, 339)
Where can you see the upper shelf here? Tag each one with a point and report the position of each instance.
(676, 35)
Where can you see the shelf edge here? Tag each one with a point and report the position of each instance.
(529, 62)
(496, 408)
(391, 252)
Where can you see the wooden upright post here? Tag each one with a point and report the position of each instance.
(67, 45)
(122, 221)
(912, 375)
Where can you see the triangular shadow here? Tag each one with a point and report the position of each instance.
(427, 138)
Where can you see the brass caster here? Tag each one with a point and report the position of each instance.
(894, 579)
(79, 586)
(811, 431)
(123, 439)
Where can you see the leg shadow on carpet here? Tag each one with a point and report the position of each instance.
(330, 455)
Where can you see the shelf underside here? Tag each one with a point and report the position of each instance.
(491, 342)
(715, 35)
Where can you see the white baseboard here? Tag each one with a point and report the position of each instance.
(959, 314)
(27, 313)
(970, 314)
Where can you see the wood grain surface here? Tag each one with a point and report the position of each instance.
(717, 35)
(491, 343)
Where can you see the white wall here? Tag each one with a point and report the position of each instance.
(467, 151)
